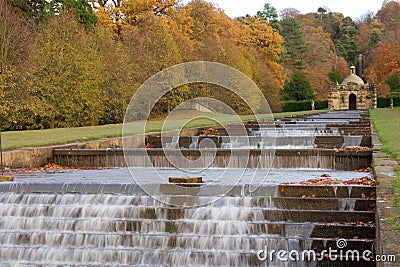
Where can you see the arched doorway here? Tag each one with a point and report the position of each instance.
(352, 102)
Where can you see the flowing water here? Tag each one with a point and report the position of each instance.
(352, 140)
(102, 218)
(108, 229)
(122, 176)
(51, 218)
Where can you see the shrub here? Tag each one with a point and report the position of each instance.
(290, 106)
(384, 102)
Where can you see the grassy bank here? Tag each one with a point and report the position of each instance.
(19, 139)
(387, 124)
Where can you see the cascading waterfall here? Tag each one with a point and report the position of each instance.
(352, 140)
(108, 223)
(106, 229)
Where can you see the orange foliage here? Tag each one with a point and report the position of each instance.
(386, 61)
(319, 59)
(389, 14)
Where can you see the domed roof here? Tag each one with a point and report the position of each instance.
(353, 78)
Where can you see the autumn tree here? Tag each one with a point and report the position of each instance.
(164, 53)
(137, 10)
(205, 30)
(366, 18)
(383, 45)
(260, 50)
(331, 22)
(120, 75)
(319, 60)
(65, 73)
(149, 34)
(389, 15)
(14, 37)
(385, 58)
(369, 36)
(289, 13)
(207, 43)
(321, 31)
(74, 71)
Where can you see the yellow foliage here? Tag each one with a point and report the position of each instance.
(377, 25)
(107, 18)
(137, 10)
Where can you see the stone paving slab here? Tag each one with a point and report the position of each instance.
(387, 212)
(384, 162)
(379, 154)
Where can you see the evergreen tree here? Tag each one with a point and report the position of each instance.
(335, 76)
(83, 11)
(34, 9)
(41, 10)
(298, 87)
(376, 36)
(270, 14)
(322, 11)
(393, 81)
(295, 45)
(346, 43)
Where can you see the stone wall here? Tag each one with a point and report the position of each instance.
(32, 157)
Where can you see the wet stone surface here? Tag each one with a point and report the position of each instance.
(102, 217)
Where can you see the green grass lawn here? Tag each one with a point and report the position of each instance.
(387, 124)
(19, 139)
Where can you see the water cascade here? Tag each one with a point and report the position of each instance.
(352, 140)
(106, 229)
(102, 218)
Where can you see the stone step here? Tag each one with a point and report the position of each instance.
(194, 243)
(327, 191)
(122, 226)
(219, 158)
(284, 190)
(180, 256)
(312, 203)
(148, 212)
(306, 202)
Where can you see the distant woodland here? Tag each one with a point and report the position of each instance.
(68, 63)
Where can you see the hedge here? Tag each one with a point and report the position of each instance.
(384, 102)
(290, 106)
